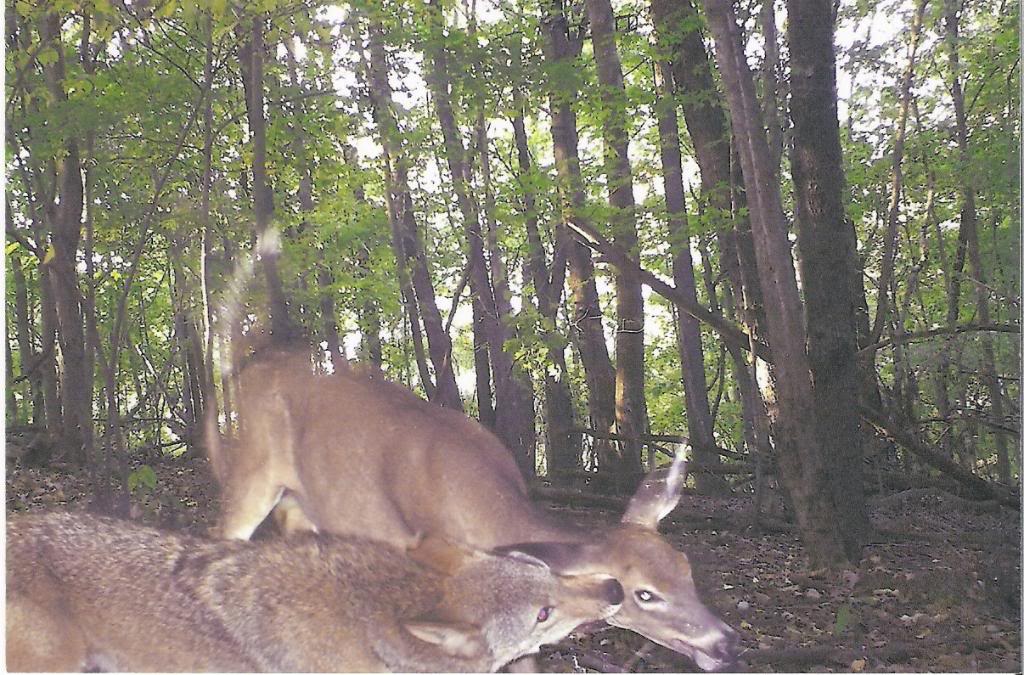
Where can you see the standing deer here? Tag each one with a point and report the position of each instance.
(352, 453)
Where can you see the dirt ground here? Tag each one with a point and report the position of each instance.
(938, 588)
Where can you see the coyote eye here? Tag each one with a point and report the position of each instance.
(644, 595)
(544, 614)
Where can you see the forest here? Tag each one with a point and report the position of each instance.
(780, 236)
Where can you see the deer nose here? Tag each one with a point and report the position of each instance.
(726, 648)
(612, 591)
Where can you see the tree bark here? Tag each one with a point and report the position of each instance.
(587, 320)
(799, 439)
(630, 399)
(828, 249)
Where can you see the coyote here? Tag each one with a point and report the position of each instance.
(92, 593)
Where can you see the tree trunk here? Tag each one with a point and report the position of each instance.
(688, 336)
(509, 397)
(414, 274)
(828, 249)
(47, 348)
(630, 399)
(562, 447)
(76, 389)
(205, 281)
(587, 319)
(26, 351)
(798, 438)
(251, 55)
(896, 189)
(969, 228)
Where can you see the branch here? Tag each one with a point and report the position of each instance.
(620, 260)
(915, 336)
(650, 439)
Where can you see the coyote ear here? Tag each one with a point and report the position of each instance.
(460, 640)
(657, 495)
(440, 554)
(560, 557)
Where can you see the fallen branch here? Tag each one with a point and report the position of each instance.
(976, 486)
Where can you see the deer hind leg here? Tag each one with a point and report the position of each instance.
(245, 506)
(290, 517)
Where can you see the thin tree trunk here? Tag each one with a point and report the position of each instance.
(706, 123)
(519, 410)
(828, 247)
(509, 416)
(896, 188)
(26, 351)
(205, 281)
(251, 55)
(47, 347)
(799, 439)
(418, 291)
(630, 399)
(688, 337)
(969, 228)
(586, 317)
(563, 448)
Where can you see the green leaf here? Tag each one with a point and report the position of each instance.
(143, 477)
(11, 248)
(51, 253)
(47, 57)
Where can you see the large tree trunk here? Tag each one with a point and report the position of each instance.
(828, 250)
(798, 438)
(66, 229)
(414, 274)
(969, 229)
(587, 319)
(509, 398)
(630, 399)
(691, 351)
(251, 55)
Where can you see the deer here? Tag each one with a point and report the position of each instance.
(350, 452)
(98, 594)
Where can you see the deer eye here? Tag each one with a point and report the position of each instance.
(544, 614)
(645, 596)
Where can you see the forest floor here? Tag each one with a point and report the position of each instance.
(938, 588)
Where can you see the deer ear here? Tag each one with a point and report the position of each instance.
(560, 557)
(657, 495)
(460, 640)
